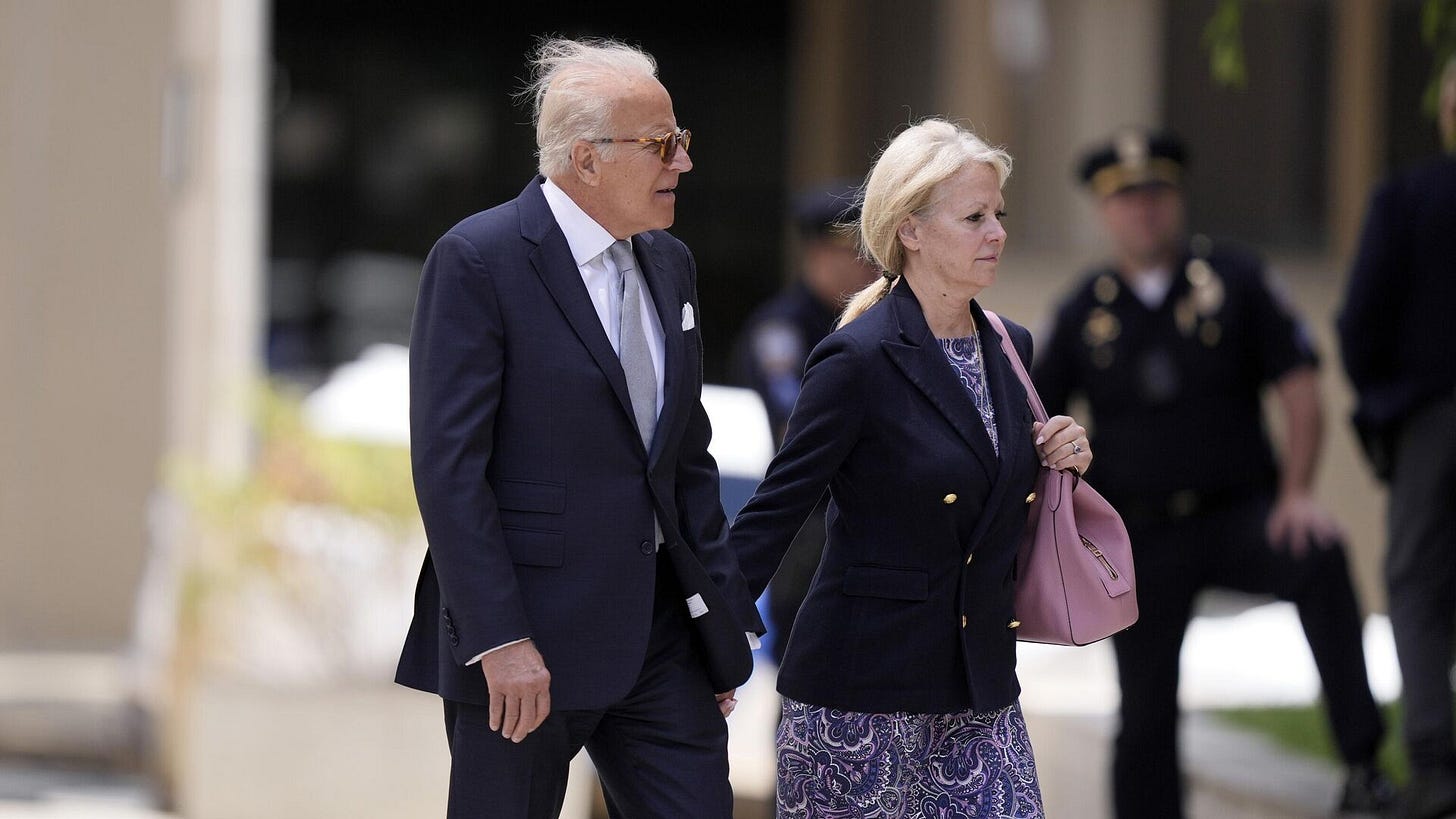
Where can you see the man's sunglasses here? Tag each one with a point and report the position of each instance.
(667, 144)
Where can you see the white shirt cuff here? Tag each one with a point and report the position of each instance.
(477, 657)
(753, 642)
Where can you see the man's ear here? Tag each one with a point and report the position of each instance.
(586, 163)
(909, 233)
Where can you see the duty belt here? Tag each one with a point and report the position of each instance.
(1179, 505)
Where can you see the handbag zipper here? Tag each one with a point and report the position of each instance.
(1097, 553)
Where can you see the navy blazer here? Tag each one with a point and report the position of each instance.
(912, 605)
(1395, 327)
(535, 488)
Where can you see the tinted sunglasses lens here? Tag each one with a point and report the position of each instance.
(675, 140)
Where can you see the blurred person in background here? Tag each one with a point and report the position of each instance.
(1171, 345)
(775, 341)
(560, 452)
(1399, 346)
(899, 685)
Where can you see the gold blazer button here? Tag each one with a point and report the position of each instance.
(968, 559)
(1014, 624)
(951, 498)
(1031, 498)
(963, 621)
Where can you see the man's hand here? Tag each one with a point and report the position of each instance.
(1298, 521)
(726, 702)
(520, 689)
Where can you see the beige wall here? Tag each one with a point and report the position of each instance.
(83, 265)
(130, 274)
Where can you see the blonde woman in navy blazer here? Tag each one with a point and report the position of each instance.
(899, 680)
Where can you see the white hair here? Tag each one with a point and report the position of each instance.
(570, 89)
(903, 182)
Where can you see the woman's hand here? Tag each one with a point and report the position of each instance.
(1061, 443)
(727, 702)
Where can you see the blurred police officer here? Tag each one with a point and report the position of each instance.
(1398, 341)
(1171, 344)
(775, 341)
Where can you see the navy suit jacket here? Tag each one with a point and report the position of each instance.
(536, 491)
(912, 605)
(1396, 332)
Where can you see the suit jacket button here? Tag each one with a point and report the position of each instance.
(1031, 498)
(951, 498)
(647, 547)
(968, 559)
(963, 621)
(1014, 624)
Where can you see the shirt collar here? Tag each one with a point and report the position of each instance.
(586, 238)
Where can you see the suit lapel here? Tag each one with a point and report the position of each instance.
(553, 262)
(919, 357)
(667, 300)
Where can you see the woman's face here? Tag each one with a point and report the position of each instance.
(958, 240)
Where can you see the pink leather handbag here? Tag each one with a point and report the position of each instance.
(1074, 575)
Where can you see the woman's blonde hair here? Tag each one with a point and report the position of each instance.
(903, 182)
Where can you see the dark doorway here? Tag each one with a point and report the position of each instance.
(391, 121)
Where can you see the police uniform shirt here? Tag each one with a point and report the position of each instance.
(775, 342)
(1174, 389)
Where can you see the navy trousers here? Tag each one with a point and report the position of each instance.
(660, 752)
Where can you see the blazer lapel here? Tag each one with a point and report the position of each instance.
(668, 301)
(1009, 399)
(919, 357)
(553, 262)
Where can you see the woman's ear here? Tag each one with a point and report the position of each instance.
(909, 233)
(586, 163)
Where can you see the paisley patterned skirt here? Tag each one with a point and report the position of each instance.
(847, 765)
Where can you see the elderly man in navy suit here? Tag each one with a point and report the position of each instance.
(577, 591)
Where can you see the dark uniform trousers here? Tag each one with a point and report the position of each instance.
(1224, 545)
(672, 706)
(1420, 569)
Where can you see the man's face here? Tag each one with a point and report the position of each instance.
(635, 191)
(834, 270)
(1145, 222)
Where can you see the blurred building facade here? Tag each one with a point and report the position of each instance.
(195, 191)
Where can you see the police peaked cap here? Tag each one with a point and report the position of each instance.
(1134, 157)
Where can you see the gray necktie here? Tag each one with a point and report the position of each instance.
(632, 346)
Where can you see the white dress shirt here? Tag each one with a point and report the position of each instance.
(1152, 286)
(589, 242)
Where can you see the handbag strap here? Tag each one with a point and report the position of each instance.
(1038, 410)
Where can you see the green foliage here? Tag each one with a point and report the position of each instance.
(237, 518)
(1223, 37)
(1305, 731)
(1438, 31)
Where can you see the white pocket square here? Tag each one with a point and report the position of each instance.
(688, 322)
